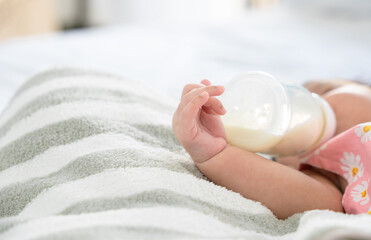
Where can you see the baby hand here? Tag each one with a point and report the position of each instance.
(197, 123)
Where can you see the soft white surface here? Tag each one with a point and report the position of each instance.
(147, 188)
(291, 47)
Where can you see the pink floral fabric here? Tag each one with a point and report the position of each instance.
(349, 155)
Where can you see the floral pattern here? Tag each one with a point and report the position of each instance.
(353, 167)
(349, 155)
(360, 194)
(363, 132)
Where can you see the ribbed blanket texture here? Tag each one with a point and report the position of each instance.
(90, 155)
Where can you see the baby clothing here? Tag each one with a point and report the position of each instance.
(348, 155)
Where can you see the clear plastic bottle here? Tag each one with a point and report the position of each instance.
(280, 119)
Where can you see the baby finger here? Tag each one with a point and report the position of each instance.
(214, 106)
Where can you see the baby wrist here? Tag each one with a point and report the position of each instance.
(207, 160)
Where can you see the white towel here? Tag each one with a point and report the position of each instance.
(88, 155)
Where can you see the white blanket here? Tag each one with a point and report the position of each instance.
(88, 155)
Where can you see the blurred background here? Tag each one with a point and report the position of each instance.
(19, 17)
(168, 43)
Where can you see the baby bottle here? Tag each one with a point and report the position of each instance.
(271, 117)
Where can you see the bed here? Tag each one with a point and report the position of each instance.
(76, 161)
(292, 47)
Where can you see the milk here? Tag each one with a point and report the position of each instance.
(296, 140)
(299, 138)
(251, 139)
(280, 119)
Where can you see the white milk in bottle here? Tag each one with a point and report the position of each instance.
(280, 119)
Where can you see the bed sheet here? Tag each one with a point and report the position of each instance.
(291, 47)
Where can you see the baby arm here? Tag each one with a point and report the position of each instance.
(284, 190)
